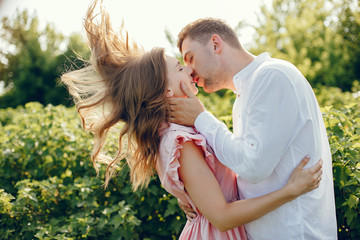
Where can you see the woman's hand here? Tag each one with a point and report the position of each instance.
(304, 180)
(189, 212)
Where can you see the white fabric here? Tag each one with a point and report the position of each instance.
(276, 122)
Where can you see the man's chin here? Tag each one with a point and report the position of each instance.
(208, 90)
(204, 88)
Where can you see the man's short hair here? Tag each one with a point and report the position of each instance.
(202, 30)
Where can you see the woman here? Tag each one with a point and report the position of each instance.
(124, 84)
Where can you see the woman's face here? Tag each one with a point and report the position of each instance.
(176, 73)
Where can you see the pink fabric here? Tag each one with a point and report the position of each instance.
(167, 167)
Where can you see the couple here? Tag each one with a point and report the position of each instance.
(253, 177)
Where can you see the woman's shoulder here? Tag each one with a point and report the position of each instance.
(171, 143)
(169, 130)
(171, 139)
(173, 127)
(174, 134)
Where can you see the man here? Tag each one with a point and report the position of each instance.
(276, 122)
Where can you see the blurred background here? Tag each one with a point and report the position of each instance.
(149, 23)
(48, 187)
(320, 37)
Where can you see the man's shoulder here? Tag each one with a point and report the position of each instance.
(276, 65)
(276, 75)
(278, 70)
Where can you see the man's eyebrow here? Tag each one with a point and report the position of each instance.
(177, 64)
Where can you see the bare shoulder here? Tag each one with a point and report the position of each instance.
(190, 148)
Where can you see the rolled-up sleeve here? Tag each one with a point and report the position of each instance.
(271, 115)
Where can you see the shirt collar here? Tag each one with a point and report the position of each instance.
(241, 77)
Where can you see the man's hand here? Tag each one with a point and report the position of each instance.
(184, 111)
(189, 212)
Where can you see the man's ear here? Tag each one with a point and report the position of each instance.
(217, 43)
(169, 93)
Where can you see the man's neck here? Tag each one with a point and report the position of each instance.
(241, 60)
(236, 61)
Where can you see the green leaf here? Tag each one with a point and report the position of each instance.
(116, 221)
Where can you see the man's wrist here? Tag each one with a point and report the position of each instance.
(201, 119)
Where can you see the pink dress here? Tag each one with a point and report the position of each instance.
(167, 168)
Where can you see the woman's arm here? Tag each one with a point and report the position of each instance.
(204, 190)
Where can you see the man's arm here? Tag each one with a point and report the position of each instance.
(272, 110)
(269, 127)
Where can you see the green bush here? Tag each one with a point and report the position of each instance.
(49, 188)
(343, 127)
(341, 112)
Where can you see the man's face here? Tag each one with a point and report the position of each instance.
(203, 63)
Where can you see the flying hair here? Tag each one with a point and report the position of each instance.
(121, 85)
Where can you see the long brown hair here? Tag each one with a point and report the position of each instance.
(122, 83)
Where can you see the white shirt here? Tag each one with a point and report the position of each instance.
(276, 122)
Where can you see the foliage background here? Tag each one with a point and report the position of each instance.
(48, 187)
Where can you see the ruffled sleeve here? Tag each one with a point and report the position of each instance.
(168, 165)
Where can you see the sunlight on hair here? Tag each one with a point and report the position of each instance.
(121, 90)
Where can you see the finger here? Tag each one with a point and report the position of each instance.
(184, 205)
(317, 167)
(189, 218)
(317, 184)
(181, 203)
(316, 181)
(318, 173)
(172, 120)
(191, 215)
(319, 180)
(188, 209)
(175, 101)
(172, 108)
(303, 162)
(172, 100)
(320, 162)
(186, 90)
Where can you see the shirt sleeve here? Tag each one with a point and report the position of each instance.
(272, 112)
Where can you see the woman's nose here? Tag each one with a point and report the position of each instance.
(189, 70)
